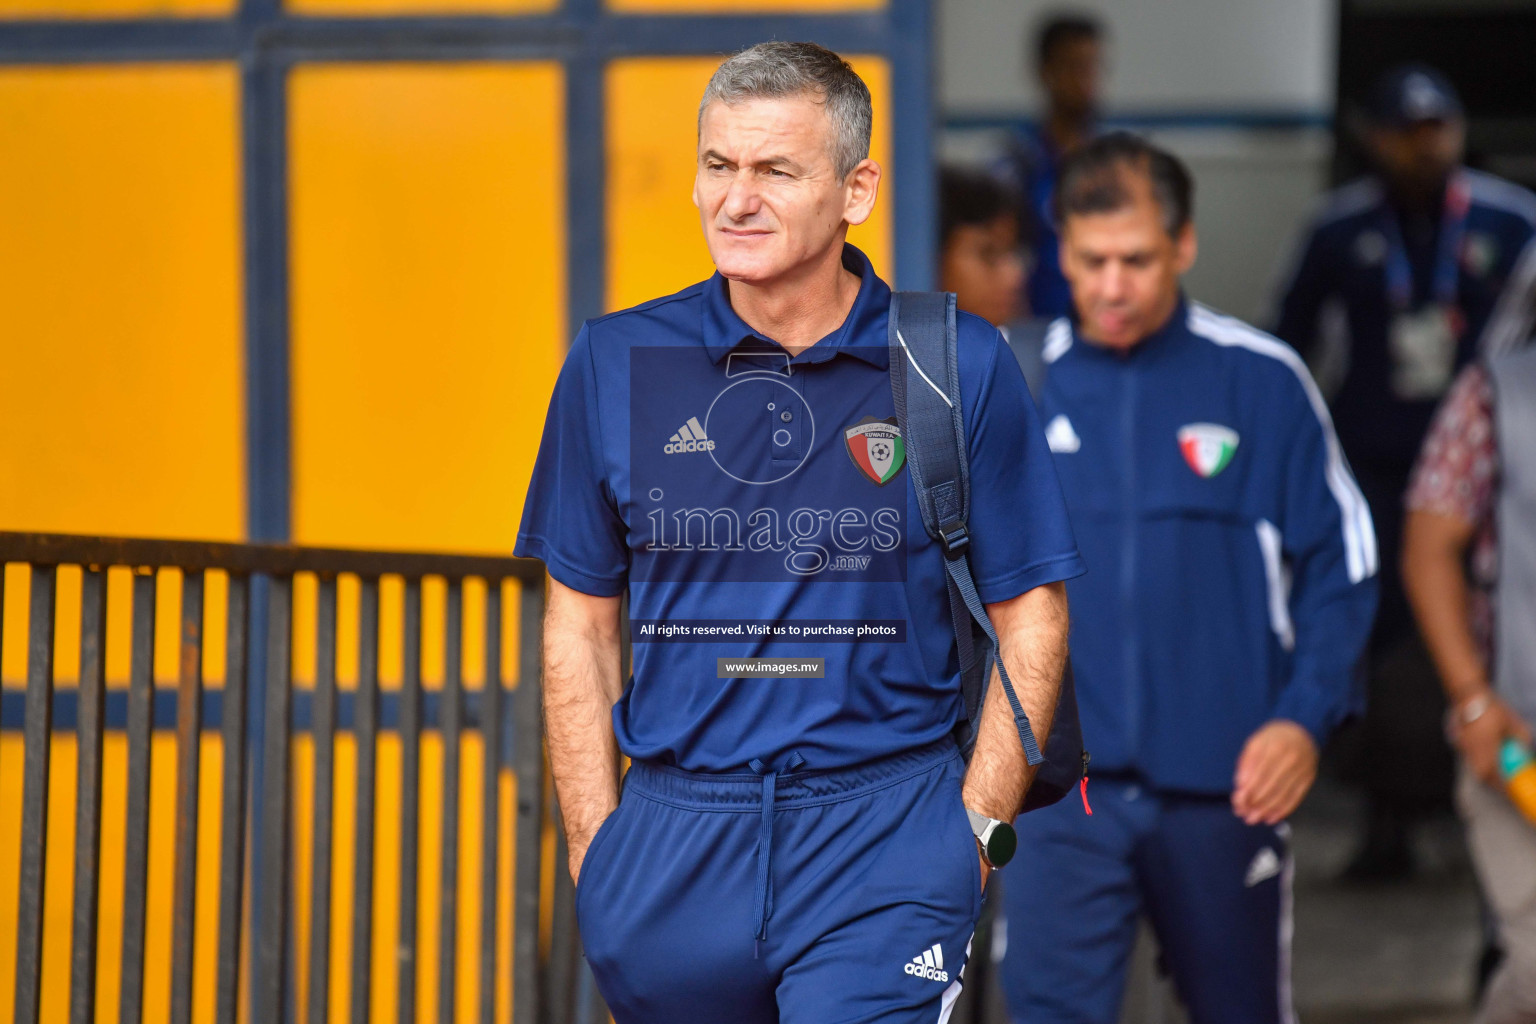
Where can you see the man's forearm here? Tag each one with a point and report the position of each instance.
(1032, 629)
(581, 685)
(1436, 584)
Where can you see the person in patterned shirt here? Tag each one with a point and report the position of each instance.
(1450, 499)
(1451, 561)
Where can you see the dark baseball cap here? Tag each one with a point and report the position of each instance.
(1412, 93)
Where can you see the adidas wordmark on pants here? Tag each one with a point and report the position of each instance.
(930, 965)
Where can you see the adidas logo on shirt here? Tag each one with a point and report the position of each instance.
(689, 438)
(930, 965)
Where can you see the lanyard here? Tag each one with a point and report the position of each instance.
(1453, 223)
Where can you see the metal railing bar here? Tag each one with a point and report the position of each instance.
(269, 974)
(232, 810)
(324, 708)
(564, 944)
(410, 802)
(92, 686)
(367, 704)
(528, 757)
(490, 816)
(189, 692)
(136, 838)
(448, 899)
(163, 713)
(34, 795)
(510, 724)
(163, 710)
(590, 1008)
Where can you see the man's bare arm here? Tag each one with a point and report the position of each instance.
(1434, 577)
(581, 685)
(1032, 629)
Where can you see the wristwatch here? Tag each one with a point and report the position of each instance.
(996, 838)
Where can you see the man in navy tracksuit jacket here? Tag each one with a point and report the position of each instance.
(1230, 589)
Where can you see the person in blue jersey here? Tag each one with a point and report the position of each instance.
(1214, 639)
(1068, 56)
(1397, 284)
(794, 838)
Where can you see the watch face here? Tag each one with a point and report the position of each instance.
(1001, 844)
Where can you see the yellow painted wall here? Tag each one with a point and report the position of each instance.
(428, 255)
(120, 301)
(86, 9)
(374, 8)
(743, 6)
(655, 243)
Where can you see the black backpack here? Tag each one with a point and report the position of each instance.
(925, 381)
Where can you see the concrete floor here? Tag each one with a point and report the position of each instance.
(1394, 954)
(1391, 954)
(1399, 954)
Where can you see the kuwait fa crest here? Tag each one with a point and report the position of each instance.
(1207, 447)
(875, 446)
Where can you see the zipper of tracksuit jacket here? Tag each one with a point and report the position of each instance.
(1129, 381)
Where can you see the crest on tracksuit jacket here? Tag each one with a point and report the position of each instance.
(1207, 447)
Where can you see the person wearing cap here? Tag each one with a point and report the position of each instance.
(1396, 281)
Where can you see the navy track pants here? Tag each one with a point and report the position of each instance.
(1216, 891)
(804, 897)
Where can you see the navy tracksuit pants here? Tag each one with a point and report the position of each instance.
(1217, 893)
(805, 897)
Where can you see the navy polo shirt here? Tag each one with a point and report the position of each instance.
(761, 501)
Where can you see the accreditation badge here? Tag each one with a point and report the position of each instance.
(1423, 348)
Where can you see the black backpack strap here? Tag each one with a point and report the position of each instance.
(925, 383)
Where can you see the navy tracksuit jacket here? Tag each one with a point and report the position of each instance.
(1231, 581)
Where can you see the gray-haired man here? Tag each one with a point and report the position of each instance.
(792, 842)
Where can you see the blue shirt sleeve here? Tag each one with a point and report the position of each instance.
(571, 521)
(1329, 541)
(1020, 535)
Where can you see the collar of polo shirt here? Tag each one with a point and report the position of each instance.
(725, 331)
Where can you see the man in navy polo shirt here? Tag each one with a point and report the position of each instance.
(792, 842)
